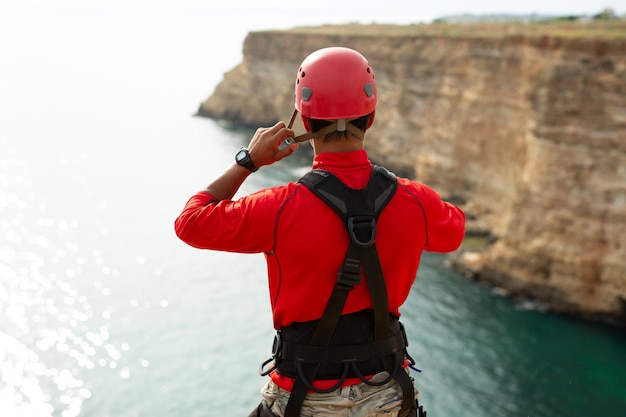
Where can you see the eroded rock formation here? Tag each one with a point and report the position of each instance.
(526, 130)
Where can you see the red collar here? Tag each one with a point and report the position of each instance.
(341, 160)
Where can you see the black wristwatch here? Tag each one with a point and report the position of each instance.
(243, 158)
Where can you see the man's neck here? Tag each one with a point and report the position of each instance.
(336, 146)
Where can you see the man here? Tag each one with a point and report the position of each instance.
(341, 260)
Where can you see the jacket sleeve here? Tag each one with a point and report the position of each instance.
(445, 222)
(226, 225)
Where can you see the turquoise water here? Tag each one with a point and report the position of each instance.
(104, 313)
(491, 358)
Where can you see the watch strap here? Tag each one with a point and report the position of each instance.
(246, 161)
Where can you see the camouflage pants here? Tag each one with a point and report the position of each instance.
(360, 400)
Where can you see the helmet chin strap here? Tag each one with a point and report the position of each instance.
(340, 125)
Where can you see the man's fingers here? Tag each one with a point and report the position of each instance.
(276, 128)
(282, 132)
(278, 132)
(265, 146)
(286, 151)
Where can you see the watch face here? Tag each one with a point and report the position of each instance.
(241, 155)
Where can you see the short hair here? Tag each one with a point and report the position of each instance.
(361, 123)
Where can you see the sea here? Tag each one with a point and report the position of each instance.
(105, 313)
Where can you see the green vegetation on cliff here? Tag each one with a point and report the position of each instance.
(605, 29)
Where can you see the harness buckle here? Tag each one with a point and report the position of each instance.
(277, 345)
(362, 230)
(350, 273)
(265, 372)
(276, 351)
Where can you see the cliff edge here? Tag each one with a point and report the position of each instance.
(524, 126)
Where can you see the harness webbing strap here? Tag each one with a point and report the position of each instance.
(378, 291)
(359, 209)
(293, 351)
(327, 324)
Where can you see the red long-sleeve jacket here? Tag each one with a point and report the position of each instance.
(305, 241)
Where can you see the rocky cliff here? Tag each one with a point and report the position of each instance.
(523, 126)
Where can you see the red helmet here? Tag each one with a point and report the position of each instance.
(335, 83)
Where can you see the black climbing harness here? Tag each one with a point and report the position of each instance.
(343, 346)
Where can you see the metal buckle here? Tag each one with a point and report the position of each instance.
(358, 224)
(276, 349)
(277, 345)
(350, 273)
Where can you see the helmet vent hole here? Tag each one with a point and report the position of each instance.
(306, 93)
(369, 89)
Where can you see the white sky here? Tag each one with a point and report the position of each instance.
(364, 11)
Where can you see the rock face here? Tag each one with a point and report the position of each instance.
(527, 132)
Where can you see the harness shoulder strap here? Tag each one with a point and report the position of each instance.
(344, 200)
(359, 210)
